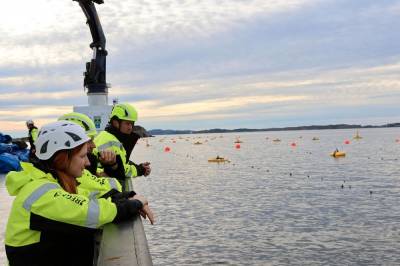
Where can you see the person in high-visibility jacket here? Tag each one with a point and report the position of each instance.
(91, 179)
(32, 135)
(118, 136)
(49, 223)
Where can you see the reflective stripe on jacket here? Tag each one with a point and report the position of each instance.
(40, 201)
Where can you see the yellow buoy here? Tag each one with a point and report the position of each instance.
(218, 160)
(338, 154)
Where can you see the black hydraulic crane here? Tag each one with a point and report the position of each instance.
(95, 74)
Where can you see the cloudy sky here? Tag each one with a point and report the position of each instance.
(199, 64)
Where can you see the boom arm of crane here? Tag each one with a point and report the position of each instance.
(95, 75)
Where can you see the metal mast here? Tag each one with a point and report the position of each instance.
(95, 74)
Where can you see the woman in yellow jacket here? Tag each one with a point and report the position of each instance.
(91, 179)
(49, 223)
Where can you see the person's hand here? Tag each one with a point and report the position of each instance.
(107, 157)
(101, 174)
(142, 199)
(147, 169)
(146, 212)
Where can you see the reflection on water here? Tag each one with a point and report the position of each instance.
(274, 204)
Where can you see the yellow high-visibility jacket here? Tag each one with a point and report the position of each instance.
(95, 185)
(34, 133)
(105, 140)
(40, 206)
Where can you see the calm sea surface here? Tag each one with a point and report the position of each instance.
(273, 204)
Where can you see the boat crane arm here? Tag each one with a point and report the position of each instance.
(95, 75)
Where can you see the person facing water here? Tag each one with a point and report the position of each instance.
(107, 158)
(119, 137)
(32, 135)
(49, 220)
(91, 179)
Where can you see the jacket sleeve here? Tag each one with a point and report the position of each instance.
(126, 207)
(51, 202)
(93, 183)
(34, 134)
(130, 170)
(119, 172)
(140, 170)
(103, 144)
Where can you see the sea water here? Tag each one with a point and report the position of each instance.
(274, 203)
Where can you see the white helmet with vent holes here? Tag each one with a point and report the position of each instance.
(56, 136)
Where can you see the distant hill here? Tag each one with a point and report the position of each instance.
(221, 130)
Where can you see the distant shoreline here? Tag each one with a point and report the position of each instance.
(142, 132)
(221, 130)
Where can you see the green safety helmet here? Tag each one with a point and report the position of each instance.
(83, 120)
(124, 111)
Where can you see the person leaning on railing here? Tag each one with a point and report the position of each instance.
(91, 179)
(118, 136)
(49, 222)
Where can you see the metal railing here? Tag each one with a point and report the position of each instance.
(124, 244)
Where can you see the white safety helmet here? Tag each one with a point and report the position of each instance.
(29, 122)
(56, 136)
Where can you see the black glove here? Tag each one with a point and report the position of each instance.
(126, 209)
(119, 172)
(116, 196)
(139, 168)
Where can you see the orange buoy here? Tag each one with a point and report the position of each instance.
(167, 149)
(237, 146)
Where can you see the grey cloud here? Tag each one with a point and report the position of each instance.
(71, 101)
(165, 51)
